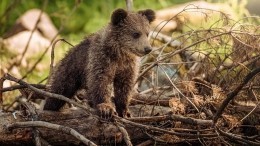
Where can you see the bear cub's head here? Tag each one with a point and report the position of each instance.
(131, 30)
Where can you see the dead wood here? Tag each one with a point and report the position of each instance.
(146, 99)
(94, 130)
(233, 93)
(56, 127)
(15, 132)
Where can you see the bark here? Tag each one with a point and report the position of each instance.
(87, 125)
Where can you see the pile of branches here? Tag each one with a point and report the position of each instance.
(208, 95)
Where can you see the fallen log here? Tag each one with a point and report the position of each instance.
(88, 125)
(18, 129)
(84, 122)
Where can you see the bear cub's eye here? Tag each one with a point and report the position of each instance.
(136, 35)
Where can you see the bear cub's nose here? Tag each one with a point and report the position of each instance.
(147, 50)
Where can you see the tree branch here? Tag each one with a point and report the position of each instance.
(44, 93)
(129, 5)
(234, 93)
(64, 129)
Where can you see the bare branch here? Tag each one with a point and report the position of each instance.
(163, 130)
(15, 87)
(129, 5)
(44, 93)
(51, 126)
(237, 138)
(179, 51)
(52, 52)
(233, 93)
(186, 120)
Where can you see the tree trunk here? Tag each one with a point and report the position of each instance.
(87, 125)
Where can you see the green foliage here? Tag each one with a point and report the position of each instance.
(89, 16)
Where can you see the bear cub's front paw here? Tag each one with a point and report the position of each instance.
(106, 110)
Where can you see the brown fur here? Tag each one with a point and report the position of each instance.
(106, 60)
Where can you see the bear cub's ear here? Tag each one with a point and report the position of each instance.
(118, 16)
(149, 14)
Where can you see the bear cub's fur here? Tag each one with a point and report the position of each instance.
(104, 61)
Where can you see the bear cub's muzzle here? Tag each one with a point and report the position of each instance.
(147, 50)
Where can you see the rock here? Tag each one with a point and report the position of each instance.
(28, 20)
(19, 35)
(18, 42)
(194, 16)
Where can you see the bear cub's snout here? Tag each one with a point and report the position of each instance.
(147, 50)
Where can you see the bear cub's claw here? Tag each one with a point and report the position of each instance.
(106, 110)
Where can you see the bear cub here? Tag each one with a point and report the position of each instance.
(103, 63)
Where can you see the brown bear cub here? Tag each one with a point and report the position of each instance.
(105, 62)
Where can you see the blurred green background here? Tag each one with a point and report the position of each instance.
(89, 16)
